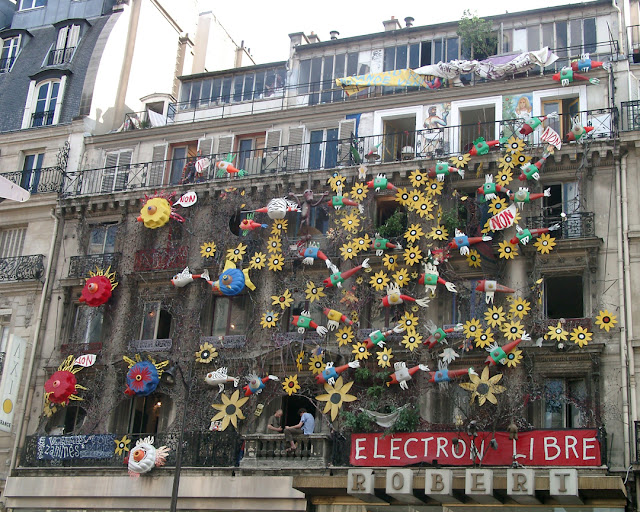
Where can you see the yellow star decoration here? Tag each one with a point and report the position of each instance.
(358, 192)
(515, 145)
(514, 358)
(269, 319)
(274, 245)
(438, 233)
(335, 396)
(351, 222)
(345, 335)
(359, 280)
(336, 183)
(390, 261)
(414, 233)
(484, 338)
(401, 277)
(412, 255)
(300, 360)
(606, 320)
(557, 333)
(545, 243)
(412, 340)
(581, 336)
(409, 321)
(348, 251)
(208, 250)
(473, 259)
(379, 281)
(402, 196)
(313, 292)
(471, 328)
(236, 253)
(362, 243)
(506, 250)
(494, 316)
(122, 445)
(284, 301)
(460, 160)
(497, 205)
(384, 358)
(504, 178)
(258, 260)
(276, 262)
(417, 178)
(423, 208)
(290, 385)
(229, 411)
(316, 365)
(279, 226)
(507, 162)
(206, 354)
(520, 308)
(434, 187)
(512, 330)
(483, 387)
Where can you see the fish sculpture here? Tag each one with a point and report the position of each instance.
(232, 280)
(144, 457)
(185, 277)
(220, 377)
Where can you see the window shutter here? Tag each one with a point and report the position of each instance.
(205, 146)
(124, 163)
(294, 149)
(62, 39)
(74, 35)
(225, 144)
(273, 139)
(11, 242)
(345, 131)
(109, 172)
(273, 152)
(156, 169)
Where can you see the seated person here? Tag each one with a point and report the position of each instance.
(306, 426)
(274, 425)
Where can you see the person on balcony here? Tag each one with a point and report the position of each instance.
(305, 427)
(274, 425)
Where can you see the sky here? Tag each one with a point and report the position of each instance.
(264, 26)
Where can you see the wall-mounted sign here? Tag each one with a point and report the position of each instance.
(11, 375)
(504, 219)
(161, 345)
(578, 447)
(96, 446)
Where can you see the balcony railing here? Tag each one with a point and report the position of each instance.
(161, 259)
(80, 266)
(81, 348)
(42, 118)
(60, 56)
(200, 449)
(630, 115)
(37, 181)
(22, 268)
(574, 225)
(6, 63)
(269, 450)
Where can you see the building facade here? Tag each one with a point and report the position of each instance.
(219, 286)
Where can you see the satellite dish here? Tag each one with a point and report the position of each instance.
(9, 190)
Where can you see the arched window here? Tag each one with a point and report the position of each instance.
(67, 420)
(46, 99)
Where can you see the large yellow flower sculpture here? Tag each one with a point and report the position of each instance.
(348, 251)
(274, 244)
(229, 411)
(258, 260)
(412, 255)
(379, 281)
(520, 308)
(284, 301)
(507, 162)
(423, 208)
(504, 178)
(557, 333)
(514, 358)
(515, 145)
(438, 233)
(351, 222)
(208, 250)
(384, 357)
(411, 340)
(434, 187)
(606, 320)
(362, 243)
(484, 387)
(358, 192)
(512, 330)
(497, 205)
(417, 178)
(390, 261)
(269, 319)
(506, 250)
(313, 292)
(494, 316)
(290, 385)
(335, 396)
(460, 160)
(337, 182)
(545, 243)
(473, 259)
(401, 277)
(360, 351)
(414, 233)
(300, 360)
(279, 226)
(276, 262)
(345, 335)
(206, 354)
(471, 328)
(316, 364)
(484, 338)
(236, 253)
(409, 321)
(403, 196)
(581, 336)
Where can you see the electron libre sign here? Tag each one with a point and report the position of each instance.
(579, 447)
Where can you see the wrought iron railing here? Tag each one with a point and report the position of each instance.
(60, 56)
(574, 225)
(630, 115)
(22, 268)
(161, 259)
(42, 118)
(81, 348)
(6, 63)
(200, 449)
(37, 181)
(144, 119)
(80, 266)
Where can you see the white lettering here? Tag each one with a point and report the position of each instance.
(406, 454)
(395, 448)
(375, 449)
(360, 449)
(463, 450)
(586, 447)
(568, 445)
(551, 442)
(442, 444)
(426, 445)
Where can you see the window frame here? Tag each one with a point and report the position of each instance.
(158, 310)
(32, 101)
(30, 178)
(62, 52)
(32, 7)
(230, 328)
(109, 229)
(4, 68)
(79, 311)
(568, 409)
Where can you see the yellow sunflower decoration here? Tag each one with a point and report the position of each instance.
(520, 308)
(313, 292)
(512, 330)
(471, 328)
(460, 160)
(384, 357)
(208, 250)
(360, 351)
(494, 316)
(507, 162)
(412, 255)
(545, 243)
(269, 319)
(411, 340)
(358, 192)
(348, 251)
(290, 385)
(514, 358)
(506, 250)
(335, 396)
(276, 262)
(439, 233)
(336, 182)
(414, 233)
(379, 281)
(424, 207)
(401, 277)
(345, 335)
(486, 228)
(521, 159)
(434, 187)
(206, 354)
(497, 205)
(606, 320)
(274, 245)
(409, 321)
(581, 336)
(300, 360)
(362, 243)
(417, 178)
(504, 178)
(351, 222)
(403, 196)
(415, 197)
(229, 411)
(122, 445)
(390, 261)
(284, 301)
(316, 364)
(258, 260)
(484, 338)
(557, 333)
(515, 145)
(237, 253)
(279, 226)
(485, 388)
(473, 259)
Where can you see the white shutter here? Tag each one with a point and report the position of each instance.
(11, 242)
(294, 148)
(225, 144)
(345, 130)
(273, 139)
(62, 39)
(156, 168)
(124, 164)
(109, 172)
(273, 152)
(205, 146)
(74, 35)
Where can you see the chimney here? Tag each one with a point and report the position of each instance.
(313, 38)
(392, 24)
(409, 21)
(334, 34)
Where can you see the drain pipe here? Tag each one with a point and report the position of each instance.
(28, 393)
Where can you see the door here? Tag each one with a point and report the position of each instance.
(31, 172)
(323, 149)
(178, 161)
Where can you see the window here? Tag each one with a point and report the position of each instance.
(567, 109)
(231, 315)
(250, 150)
(180, 155)
(65, 45)
(46, 101)
(115, 174)
(12, 242)
(317, 76)
(31, 170)
(156, 322)
(67, 420)
(557, 289)
(323, 150)
(87, 324)
(564, 403)
(32, 4)
(476, 122)
(10, 47)
(148, 414)
(103, 238)
(399, 139)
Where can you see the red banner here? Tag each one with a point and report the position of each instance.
(534, 448)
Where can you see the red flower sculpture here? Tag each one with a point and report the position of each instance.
(60, 386)
(96, 291)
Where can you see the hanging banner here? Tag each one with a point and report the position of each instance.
(579, 447)
(398, 78)
(551, 137)
(93, 446)
(504, 219)
(11, 376)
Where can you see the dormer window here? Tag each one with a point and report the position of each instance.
(31, 4)
(65, 46)
(10, 47)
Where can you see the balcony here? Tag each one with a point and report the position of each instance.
(575, 225)
(173, 258)
(630, 115)
(22, 268)
(37, 181)
(42, 118)
(57, 57)
(268, 450)
(80, 266)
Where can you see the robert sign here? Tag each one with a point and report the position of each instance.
(535, 448)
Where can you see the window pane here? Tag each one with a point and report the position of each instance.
(576, 37)
(562, 42)
(247, 94)
(352, 64)
(425, 57)
(149, 320)
(96, 240)
(590, 36)
(226, 90)
(327, 82)
(389, 58)
(195, 94)
(110, 242)
(237, 88)
(452, 48)
(533, 38)
(220, 316)
(259, 85)
(215, 90)
(401, 57)
(185, 92)
(331, 149)
(414, 56)
(547, 35)
(338, 70)
(305, 76)
(577, 403)
(238, 320)
(205, 93)
(315, 149)
(554, 402)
